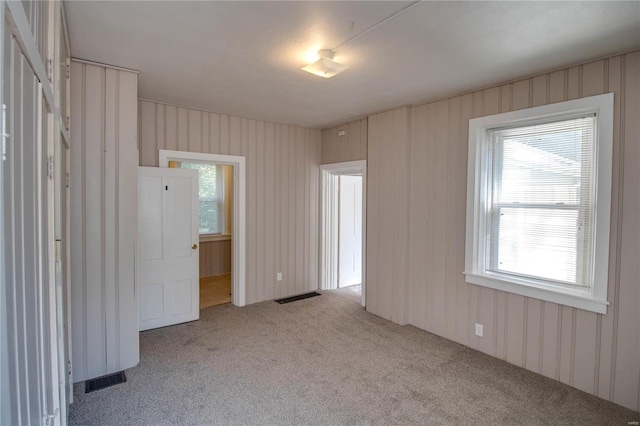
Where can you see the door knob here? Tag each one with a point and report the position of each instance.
(194, 246)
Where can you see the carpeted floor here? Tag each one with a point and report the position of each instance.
(353, 292)
(325, 361)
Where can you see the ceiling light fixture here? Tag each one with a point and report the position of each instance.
(325, 66)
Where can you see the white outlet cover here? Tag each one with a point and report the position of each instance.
(479, 330)
(279, 276)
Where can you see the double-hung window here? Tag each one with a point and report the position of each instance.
(539, 199)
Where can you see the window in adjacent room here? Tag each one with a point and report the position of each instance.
(539, 202)
(214, 196)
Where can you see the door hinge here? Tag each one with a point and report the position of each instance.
(50, 70)
(51, 163)
(68, 69)
(67, 184)
(48, 417)
(5, 135)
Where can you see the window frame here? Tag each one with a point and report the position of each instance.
(220, 204)
(592, 298)
(225, 232)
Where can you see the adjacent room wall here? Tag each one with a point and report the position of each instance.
(350, 147)
(599, 354)
(103, 190)
(282, 187)
(215, 257)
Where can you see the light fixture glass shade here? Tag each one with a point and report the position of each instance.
(325, 67)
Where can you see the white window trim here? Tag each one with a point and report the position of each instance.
(591, 299)
(209, 236)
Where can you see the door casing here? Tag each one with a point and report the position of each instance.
(238, 234)
(328, 270)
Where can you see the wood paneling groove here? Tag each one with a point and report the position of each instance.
(596, 367)
(572, 358)
(558, 345)
(525, 323)
(282, 188)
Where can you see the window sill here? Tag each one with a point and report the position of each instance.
(562, 296)
(206, 238)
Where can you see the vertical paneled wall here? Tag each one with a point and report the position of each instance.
(282, 187)
(599, 354)
(349, 147)
(26, 284)
(33, 311)
(103, 219)
(215, 258)
(388, 215)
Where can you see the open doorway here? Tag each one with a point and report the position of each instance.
(221, 234)
(343, 225)
(215, 191)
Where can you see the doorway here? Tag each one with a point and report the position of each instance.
(215, 193)
(221, 240)
(343, 226)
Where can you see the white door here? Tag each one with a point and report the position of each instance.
(168, 226)
(350, 232)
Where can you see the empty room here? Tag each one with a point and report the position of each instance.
(319, 212)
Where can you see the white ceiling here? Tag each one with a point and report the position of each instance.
(244, 58)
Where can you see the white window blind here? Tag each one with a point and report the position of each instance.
(212, 196)
(540, 187)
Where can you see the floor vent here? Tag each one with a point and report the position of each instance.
(298, 297)
(104, 382)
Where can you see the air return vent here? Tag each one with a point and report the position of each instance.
(298, 297)
(104, 382)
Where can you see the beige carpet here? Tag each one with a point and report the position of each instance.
(326, 361)
(353, 292)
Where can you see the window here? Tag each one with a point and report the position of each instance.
(538, 202)
(213, 195)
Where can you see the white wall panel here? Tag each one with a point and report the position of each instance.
(103, 227)
(599, 354)
(215, 258)
(349, 147)
(282, 188)
(388, 214)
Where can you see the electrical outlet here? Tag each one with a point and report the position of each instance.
(279, 276)
(479, 330)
